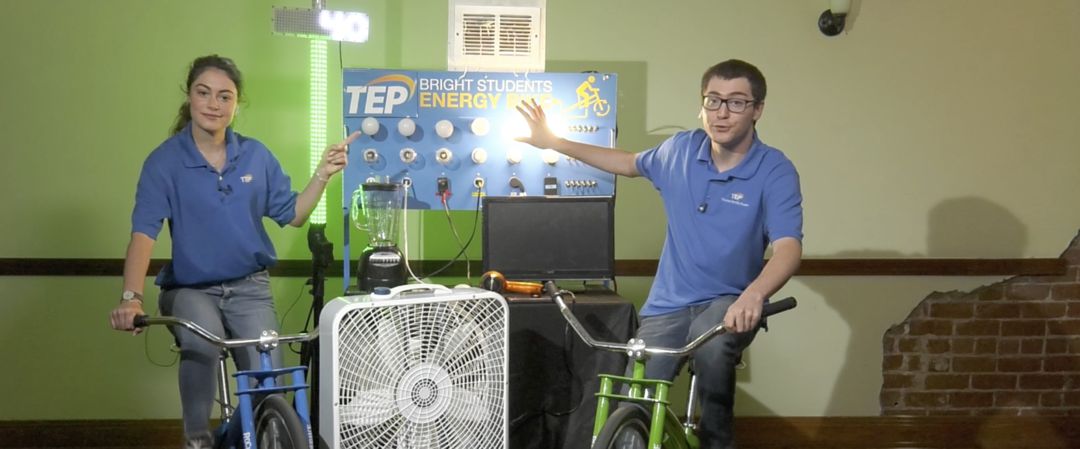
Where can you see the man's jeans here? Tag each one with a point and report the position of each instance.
(714, 362)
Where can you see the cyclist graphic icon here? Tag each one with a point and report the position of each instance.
(588, 98)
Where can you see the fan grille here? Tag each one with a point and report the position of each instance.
(422, 375)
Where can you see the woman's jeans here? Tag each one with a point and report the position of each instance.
(714, 362)
(240, 308)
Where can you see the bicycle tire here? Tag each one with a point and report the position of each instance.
(277, 426)
(628, 428)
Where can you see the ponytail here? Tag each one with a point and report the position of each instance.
(183, 117)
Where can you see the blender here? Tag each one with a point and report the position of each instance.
(377, 209)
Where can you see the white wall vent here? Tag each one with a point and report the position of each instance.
(496, 38)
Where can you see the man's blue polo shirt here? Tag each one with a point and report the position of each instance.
(719, 224)
(215, 220)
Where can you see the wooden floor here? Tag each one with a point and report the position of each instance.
(989, 432)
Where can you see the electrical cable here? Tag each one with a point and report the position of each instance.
(405, 234)
(476, 219)
(453, 230)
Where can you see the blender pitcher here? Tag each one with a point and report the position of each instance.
(377, 209)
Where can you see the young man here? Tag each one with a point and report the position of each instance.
(727, 196)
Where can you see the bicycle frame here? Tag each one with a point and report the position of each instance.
(264, 378)
(662, 416)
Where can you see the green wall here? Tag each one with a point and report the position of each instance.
(930, 129)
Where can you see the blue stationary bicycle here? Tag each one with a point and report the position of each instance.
(272, 423)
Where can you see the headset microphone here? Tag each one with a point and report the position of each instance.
(496, 282)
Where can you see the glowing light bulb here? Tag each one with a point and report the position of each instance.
(549, 156)
(370, 126)
(480, 126)
(406, 127)
(444, 129)
(513, 155)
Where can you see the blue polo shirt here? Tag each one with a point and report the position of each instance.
(719, 224)
(215, 220)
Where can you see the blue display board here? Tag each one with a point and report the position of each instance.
(454, 131)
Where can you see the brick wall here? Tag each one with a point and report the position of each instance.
(1009, 348)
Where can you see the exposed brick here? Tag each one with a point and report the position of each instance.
(888, 344)
(1019, 364)
(994, 292)
(1031, 345)
(914, 362)
(1028, 291)
(939, 364)
(1043, 309)
(908, 344)
(952, 310)
(971, 399)
(942, 328)
(898, 381)
(892, 362)
(986, 345)
(929, 399)
(1051, 399)
(1016, 399)
(998, 310)
(1065, 291)
(947, 381)
(1071, 398)
(1057, 345)
(1042, 381)
(962, 345)
(1059, 363)
(978, 327)
(890, 398)
(1063, 327)
(1028, 328)
(1008, 346)
(937, 346)
(993, 381)
(973, 364)
(1074, 309)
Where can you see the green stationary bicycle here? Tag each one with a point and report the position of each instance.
(645, 422)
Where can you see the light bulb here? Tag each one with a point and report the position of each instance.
(406, 127)
(480, 126)
(513, 155)
(444, 128)
(370, 126)
(479, 155)
(549, 156)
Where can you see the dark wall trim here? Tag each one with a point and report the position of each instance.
(927, 432)
(623, 267)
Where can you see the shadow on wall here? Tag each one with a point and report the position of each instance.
(958, 227)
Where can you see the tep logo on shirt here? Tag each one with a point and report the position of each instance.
(736, 199)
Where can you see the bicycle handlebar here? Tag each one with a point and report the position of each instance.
(636, 347)
(268, 340)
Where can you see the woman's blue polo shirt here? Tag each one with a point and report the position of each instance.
(215, 220)
(718, 224)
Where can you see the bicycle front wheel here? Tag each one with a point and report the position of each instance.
(627, 428)
(277, 426)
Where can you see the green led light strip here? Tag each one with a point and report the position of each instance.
(318, 118)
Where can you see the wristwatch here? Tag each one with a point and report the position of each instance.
(129, 295)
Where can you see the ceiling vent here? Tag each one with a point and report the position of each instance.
(498, 38)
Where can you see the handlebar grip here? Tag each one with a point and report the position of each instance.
(139, 321)
(775, 307)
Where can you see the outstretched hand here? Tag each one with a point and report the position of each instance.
(540, 136)
(336, 156)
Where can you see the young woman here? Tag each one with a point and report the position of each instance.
(214, 187)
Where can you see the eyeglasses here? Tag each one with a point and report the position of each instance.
(736, 105)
